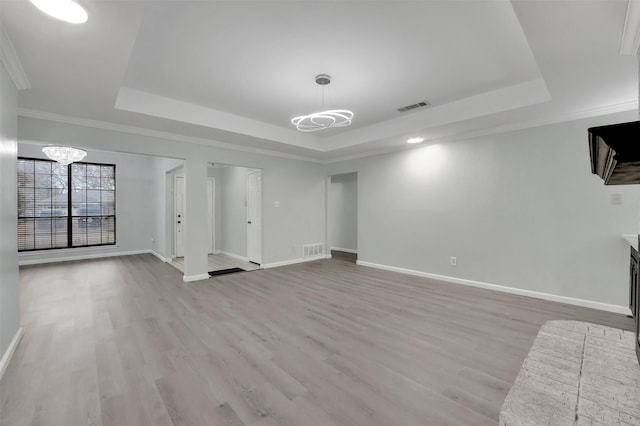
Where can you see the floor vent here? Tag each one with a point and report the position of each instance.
(311, 250)
(414, 106)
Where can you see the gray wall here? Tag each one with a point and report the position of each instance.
(216, 173)
(234, 210)
(518, 209)
(299, 186)
(342, 205)
(135, 210)
(9, 288)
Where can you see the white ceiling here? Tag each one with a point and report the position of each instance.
(236, 72)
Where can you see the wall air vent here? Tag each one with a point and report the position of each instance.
(312, 250)
(414, 106)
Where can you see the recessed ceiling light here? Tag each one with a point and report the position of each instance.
(415, 139)
(65, 10)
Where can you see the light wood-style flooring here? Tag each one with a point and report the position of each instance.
(123, 341)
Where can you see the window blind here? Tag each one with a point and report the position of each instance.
(65, 206)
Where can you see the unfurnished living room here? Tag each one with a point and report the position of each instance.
(260, 213)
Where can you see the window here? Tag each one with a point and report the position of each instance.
(51, 216)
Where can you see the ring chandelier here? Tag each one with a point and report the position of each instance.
(324, 119)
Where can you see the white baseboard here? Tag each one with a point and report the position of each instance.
(8, 354)
(217, 252)
(511, 290)
(235, 256)
(190, 278)
(161, 257)
(346, 250)
(294, 261)
(81, 257)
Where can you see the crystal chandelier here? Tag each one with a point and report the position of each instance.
(324, 119)
(64, 154)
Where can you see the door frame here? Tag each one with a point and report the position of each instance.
(259, 206)
(329, 224)
(211, 212)
(175, 213)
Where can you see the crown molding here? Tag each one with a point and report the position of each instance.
(546, 121)
(630, 41)
(11, 62)
(151, 104)
(555, 119)
(104, 125)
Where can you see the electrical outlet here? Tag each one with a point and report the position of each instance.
(616, 199)
(454, 261)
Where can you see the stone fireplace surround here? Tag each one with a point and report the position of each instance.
(576, 373)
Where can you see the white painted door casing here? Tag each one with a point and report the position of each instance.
(179, 217)
(254, 217)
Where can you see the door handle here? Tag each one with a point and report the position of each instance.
(249, 222)
(179, 222)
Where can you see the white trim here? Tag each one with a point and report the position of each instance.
(511, 290)
(630, 41)
(8, 354)
(183, 208)
(256, 248)
(104, 125)
(294, 261)
(346, 250)
(560, 118)
(631, 239)
(191, 278)
(82, 257)
(235, 256)
(212, 220)
(495, 130)
(11, 62)
(161, 257)
(66, 250)
(147, 103)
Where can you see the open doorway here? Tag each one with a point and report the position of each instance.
(342, 216)
(236, 218)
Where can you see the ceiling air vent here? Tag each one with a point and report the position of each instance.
(414, 106)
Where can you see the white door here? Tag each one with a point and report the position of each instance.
(179, 214)
(211, 211)
(254, 217)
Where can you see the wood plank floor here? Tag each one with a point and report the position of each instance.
(123, 341)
